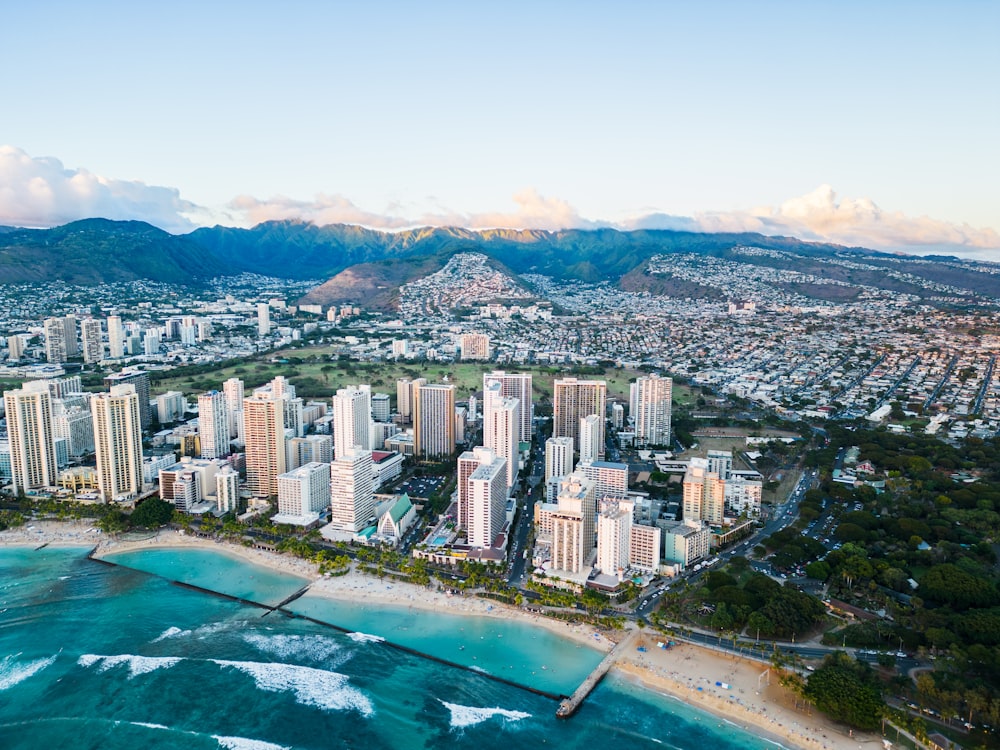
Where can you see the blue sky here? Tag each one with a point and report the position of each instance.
(867, 123)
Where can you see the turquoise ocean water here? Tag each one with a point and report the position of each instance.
(93, 656)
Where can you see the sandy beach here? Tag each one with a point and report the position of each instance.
(685, 671)
(690, 673)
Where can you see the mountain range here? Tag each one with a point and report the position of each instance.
(367, 266)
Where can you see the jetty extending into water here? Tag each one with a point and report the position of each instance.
(280, 608)
(570, 706)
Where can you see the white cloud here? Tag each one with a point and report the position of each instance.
(533, 211)
(41, 192)
(852, 221)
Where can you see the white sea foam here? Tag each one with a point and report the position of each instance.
(359, 637)
(467, 716)
(13, 671)
(242, 743)
(171, 633)
(137, 665)
(312, 687)
(318, 647)
(149, 726)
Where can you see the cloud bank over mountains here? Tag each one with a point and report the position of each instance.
(41, 192)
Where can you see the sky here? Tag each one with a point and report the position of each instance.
(874, 124)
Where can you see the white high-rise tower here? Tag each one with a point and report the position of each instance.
(652, 410)
(118, 442)
(352, 419)
(213, 425)
(29, 428)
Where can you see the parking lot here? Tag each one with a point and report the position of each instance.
(420, 487)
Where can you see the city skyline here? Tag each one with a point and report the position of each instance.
(858, 125)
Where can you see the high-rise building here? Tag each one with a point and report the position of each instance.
(574, 399)
(558, 457)
(213, 425)
(591, 431)
(352, 496)
(55, 340)
(614, 534)
(263, 319)
(743, 496)
(170, 407)
(405, 396)
(308, 449)
(645, 543)
(487, 502)
(610, 479)
(118, 442)
(29, 430)
(685, 542)
(233, 390)
(352, 419)
(93, 346)
(434, 420)
(381, 410)
(72, 421)
(514, 385)
(704, 493)
(474, 346)
(116, 339)
(501, 427)
(264, 436)
(652, 409)
(65, 387)
(69, 327)
(227, 490)
(720, 463)
(573, 524)
(151, 341)
(140, 380)
(15, 347)
(468, 463)
(303, 493)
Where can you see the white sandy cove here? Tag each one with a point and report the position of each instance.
(678, 671)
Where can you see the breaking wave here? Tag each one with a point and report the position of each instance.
(137, 665)
(312, 687)
(12, 671)
(317, 647)
(467, 716)
(359, 637)
(242, 743)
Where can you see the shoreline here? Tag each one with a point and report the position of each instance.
(684, 672)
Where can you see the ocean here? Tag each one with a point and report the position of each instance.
(95, 656)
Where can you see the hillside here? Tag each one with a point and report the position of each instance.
(98, 250)
(374, 286)
(93, 251)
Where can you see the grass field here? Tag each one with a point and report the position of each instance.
(314, 375)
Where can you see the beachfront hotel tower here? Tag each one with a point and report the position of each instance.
(29, 428)
(572, 401)
(434, 420)
(704, 493)
(351, 490)
(264, 435)
(118, 442)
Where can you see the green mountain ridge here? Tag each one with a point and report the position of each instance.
(96, 250)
